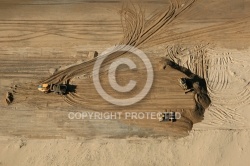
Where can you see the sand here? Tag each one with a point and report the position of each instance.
(50, 41)
(201, 147)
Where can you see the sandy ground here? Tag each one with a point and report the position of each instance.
(210, 147)
(39, 37)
